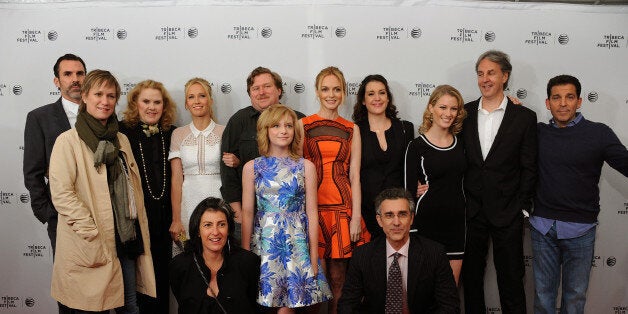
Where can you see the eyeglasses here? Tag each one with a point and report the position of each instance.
(401, 215)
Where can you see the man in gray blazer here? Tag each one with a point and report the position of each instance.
(43, 125)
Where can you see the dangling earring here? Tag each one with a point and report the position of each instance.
(431, 117)
(228, 246)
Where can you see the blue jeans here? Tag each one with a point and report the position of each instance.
(128, 276)
(575, 256)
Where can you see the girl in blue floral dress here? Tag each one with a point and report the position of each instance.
(284, 231)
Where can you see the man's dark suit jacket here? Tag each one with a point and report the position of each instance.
(503, 184)
(431, 286)
(43, 125)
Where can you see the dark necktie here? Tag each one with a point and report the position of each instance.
(394, 288)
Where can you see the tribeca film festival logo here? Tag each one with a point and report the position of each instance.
(35, 251)
(470, 35)
(624, 211)
(352, 88)
(29, 36)
(127, 87)
(99, 33)
(422, 89)
(323, 31)
(13, 198)
(620, 309)
(390, 33)
(612, 41)
(168, 33)
(248, 32)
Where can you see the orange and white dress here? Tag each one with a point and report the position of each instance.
(327, 143)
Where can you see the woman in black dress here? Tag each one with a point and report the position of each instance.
(384, 140)
(436, 160)
(148, 123)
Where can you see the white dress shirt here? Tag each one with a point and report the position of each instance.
(488, 125)
(71, 111)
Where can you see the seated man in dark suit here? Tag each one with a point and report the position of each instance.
(399, 273)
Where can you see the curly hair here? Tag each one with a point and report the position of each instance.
(131, 116)
(270, 117)
(208, 89)
(439, 92)
(359, 109)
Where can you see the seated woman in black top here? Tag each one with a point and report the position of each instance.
(213, 276)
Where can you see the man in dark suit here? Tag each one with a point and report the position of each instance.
(43, 125)
(500, 145)
(426, 283)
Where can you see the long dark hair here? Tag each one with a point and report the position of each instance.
(210, 204)
(359, 110)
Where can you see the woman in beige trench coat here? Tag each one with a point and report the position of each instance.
(103, 245)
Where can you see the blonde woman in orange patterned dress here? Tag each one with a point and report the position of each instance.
(332, 143)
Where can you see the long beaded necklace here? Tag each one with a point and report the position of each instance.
(163, 153)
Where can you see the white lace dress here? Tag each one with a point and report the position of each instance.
(200, 156)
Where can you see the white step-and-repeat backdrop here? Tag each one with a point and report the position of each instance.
(417, 45)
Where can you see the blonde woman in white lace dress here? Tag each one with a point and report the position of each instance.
(194, 159)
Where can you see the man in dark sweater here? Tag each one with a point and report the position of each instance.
(571, 152)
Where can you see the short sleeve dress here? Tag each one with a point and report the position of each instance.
(440, 212)
(200, 156)
(327, 143)
(280, 236)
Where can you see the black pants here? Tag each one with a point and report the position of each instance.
(508, 260)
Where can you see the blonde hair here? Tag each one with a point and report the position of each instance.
(96, 78)
(208, 89)
(270, 117)
(332, 70)
(439, 92)
(131, 116)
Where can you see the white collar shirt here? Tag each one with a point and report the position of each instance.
(488, 125)
(71, 111)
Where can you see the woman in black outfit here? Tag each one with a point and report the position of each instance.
(147, 123)
(384, 140)
(213, 275)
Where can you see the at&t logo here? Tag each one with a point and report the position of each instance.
(225, 88)
(422, 90)
(299, 88)
(121, 34)
(17, 90)
(267, 32)
(52, 35)
(592, 96)
(522, 93)
(416, 33)
(563, 39)
(340, 32)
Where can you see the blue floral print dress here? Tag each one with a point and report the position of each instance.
(280, 236)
